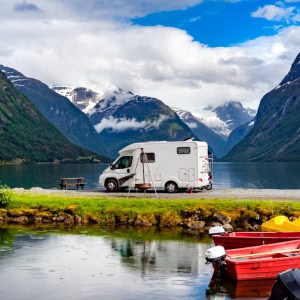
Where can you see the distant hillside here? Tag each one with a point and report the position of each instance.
(276, 132)
(58, 110)
(25, 134)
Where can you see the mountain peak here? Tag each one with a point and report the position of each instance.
(294, 72)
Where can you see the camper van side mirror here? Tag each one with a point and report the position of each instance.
(112, 166)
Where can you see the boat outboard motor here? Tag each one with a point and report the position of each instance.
(216, 255)
(216, 230)
(287, 286)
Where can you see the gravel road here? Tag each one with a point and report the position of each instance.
(274, 194)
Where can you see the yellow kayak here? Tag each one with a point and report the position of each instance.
(282, 224)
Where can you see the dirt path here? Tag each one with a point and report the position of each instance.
(272, 194)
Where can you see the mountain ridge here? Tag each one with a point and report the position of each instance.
(276, 132)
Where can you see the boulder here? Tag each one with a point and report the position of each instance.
(221, 219)
(228, 227)
(19, 220)
(196, 225)
(77, 220)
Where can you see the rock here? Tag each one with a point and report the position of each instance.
(219, 218)
(141, 222)
(38, 220)
(3, 212)
(69, 221)
(228, 227)
(77, 220)
(2, 220)
(60, 218)
(19, 220)
(196, 225)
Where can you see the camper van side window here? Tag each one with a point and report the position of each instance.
(148, 157)
(183, 150)
(123, 162)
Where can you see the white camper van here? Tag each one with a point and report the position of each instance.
(163, 165)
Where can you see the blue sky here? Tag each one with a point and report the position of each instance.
(221, 23)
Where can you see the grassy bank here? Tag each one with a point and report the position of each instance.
(28, 208)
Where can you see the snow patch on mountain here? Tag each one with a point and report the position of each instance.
(211, 120)
(111, 99)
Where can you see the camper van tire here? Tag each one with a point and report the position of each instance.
(111, 185)
(209, 186)
(171, 187)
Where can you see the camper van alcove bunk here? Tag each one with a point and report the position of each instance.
(172, 166)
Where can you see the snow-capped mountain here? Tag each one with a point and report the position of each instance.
(122, 117)
(85, 99)
(225, 118)
(203, 132)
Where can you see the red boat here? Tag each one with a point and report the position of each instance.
(262, 262)
(246, 239)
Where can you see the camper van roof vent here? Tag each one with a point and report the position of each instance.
(189, 139)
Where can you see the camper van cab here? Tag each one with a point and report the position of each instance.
(164, 165)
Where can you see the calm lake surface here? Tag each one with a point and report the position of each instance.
(85, 263)
(264, 175)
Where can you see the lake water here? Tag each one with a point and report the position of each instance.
(263, 175)
(96, 263)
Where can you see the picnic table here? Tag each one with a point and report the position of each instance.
(76, 181)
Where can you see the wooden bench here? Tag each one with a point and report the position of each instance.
(76, 181)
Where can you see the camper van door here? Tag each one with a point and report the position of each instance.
(121, 167)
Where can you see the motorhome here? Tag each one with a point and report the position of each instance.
(162, 165)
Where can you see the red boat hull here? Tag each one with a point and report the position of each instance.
(262, 262)
(247, 239)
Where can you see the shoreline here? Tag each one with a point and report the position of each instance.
(235, 209)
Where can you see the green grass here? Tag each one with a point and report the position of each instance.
(133, 206)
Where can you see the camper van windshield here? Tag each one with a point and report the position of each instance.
(122, 163)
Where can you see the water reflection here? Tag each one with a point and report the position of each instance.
(254, 289)
(112, 264)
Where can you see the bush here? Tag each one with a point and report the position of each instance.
(5, 195)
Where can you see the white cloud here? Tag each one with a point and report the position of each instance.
(273, 13)
(92, 9)
(122, 124)
(161, 62)
(119, 125)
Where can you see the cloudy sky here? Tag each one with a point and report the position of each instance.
(188, 53)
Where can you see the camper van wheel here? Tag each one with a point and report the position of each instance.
(171, 187)
(209, 186)
(111, 185)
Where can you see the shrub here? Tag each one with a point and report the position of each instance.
(5, 195)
